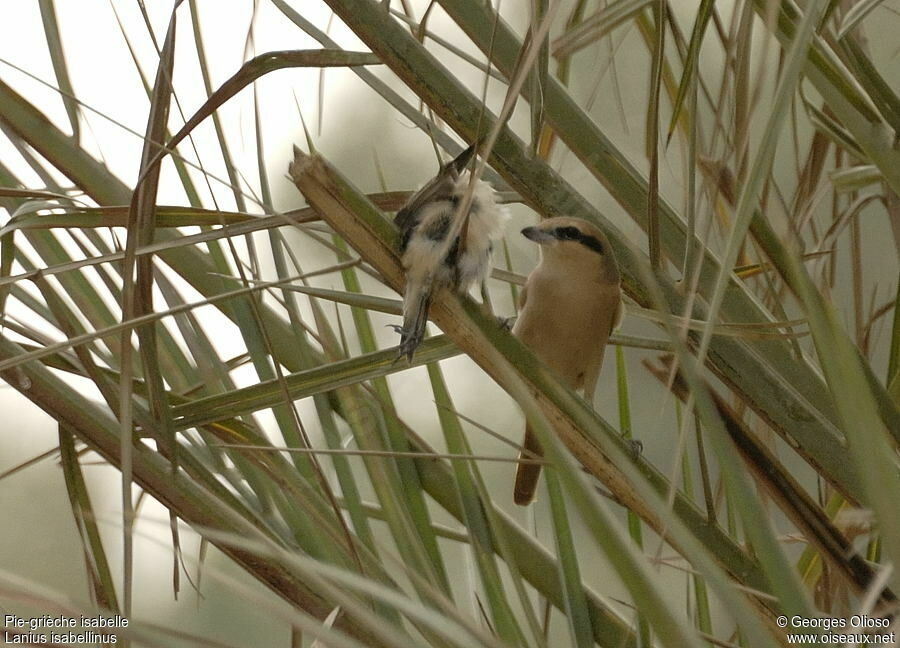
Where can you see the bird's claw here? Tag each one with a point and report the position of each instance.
(506, 323)
(636, 447)
(408, 343)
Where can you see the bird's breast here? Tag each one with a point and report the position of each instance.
(566, 323)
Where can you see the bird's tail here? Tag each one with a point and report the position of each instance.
(527, 474)
(415, 317)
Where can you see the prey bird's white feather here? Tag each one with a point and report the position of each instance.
(428, 219)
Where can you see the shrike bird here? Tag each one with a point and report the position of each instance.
(570, 304)
(430, 259)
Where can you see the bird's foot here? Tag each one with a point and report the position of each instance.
(506, 323)
(635, 446)
(408, 343)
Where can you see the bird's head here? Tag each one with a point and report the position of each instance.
(575, 244)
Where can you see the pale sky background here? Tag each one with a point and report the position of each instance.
(355, 126)
(33, 502)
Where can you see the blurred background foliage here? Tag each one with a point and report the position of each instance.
(207, 431)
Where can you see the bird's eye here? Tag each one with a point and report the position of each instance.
(568, 233)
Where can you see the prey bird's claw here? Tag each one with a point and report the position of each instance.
(408, 343)
(636, 447)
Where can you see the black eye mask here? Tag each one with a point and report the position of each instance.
(575, 234)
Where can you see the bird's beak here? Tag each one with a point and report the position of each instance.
(537, 235)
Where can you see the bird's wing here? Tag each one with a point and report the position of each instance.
(591, 377)
(592, 374)
(406, 220)
(523, 297)
(409, 216)
(617, 318)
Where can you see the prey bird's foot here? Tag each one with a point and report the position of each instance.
(409, 342)
(635, 446)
